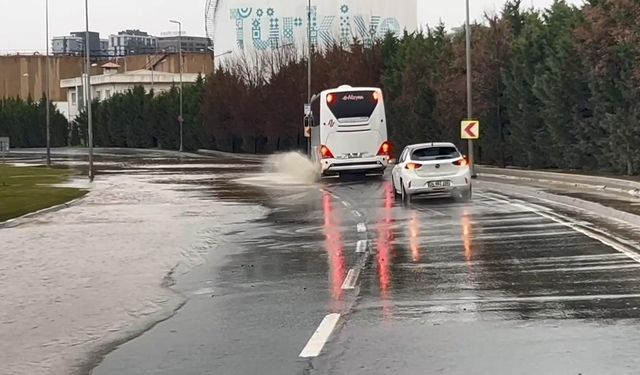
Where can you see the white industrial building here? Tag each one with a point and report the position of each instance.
(111, 82)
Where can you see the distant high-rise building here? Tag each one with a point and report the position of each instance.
(190, 44)
(67, 45)
(132, 42)
(73, 44)
(95, 47)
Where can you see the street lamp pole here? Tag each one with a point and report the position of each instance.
(87, 87)
(48, 87)
(180, 118)
(309, 67)
(469, 88)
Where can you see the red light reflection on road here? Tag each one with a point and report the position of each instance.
(467, 236)
(335, 251)
(414, 237)
(384, 240)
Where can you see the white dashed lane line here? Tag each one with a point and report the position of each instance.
(351, 279)
(362, 227)
(361, 246)
(320, 336)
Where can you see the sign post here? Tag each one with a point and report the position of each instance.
(307, 126)
(4, 149)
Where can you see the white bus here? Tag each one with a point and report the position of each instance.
(349, 131)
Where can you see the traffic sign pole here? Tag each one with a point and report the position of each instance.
(469, 96)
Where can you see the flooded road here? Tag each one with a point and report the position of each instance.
(336, 277)
(75, 281)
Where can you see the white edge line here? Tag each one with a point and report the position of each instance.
(631, 254)
(361, 246)
(320, 336)
(351, 279)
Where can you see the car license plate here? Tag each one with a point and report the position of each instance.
(439, 184)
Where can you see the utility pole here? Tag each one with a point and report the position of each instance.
(180, 118)
(469, 88)
(47, 86)
(87, 52)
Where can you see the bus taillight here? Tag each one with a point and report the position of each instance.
(376, 96)
(385, 149)
(325, 152)
(330, 98)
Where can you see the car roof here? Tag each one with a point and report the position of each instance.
(432, 144)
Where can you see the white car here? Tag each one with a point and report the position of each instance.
(432, 169)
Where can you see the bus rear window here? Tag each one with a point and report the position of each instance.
(352, 104)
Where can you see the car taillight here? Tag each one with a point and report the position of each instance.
(385, 149)
(461, 163)
(325, 152)
(376, 96)
(413, 166)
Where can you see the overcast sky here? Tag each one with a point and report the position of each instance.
(22, 21)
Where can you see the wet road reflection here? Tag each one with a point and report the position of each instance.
(385, 250)
(414, 240)
(335, 248)
(485, 288)
(454, 283)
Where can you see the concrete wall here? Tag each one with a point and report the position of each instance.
(24, 75)
(13, 81)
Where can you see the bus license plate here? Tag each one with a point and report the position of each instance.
(353, 155)
(439, 184)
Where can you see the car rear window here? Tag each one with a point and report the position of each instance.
(353, 104)
(435, 153)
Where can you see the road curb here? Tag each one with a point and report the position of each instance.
(11, 223)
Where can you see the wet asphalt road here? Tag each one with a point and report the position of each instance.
(497, 286)
(502, 285)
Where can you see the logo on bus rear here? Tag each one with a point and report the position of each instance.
(331, 123)
(353, 98)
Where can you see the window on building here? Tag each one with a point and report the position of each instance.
(74, 98)
(107, 94)
(99, 94)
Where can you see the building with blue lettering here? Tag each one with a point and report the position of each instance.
(250, 25)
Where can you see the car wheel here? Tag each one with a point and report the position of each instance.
(395, 190)
(466, 195)
(406, 197)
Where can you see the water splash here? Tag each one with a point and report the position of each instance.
(290, 169)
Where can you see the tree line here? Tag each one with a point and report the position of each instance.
(141, 119)
(23, 121)
(553, 88)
